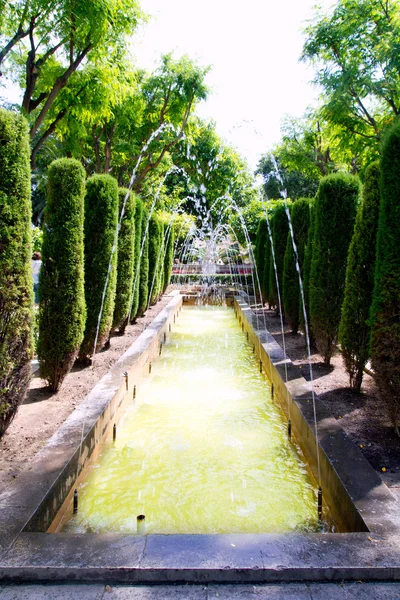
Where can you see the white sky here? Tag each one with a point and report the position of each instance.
(253, 47)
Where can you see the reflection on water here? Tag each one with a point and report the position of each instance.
(203, 449)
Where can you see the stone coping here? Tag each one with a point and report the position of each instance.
(27, 554)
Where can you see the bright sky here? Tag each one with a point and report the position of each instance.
(253, 47)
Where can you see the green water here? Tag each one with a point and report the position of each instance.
(203, 449)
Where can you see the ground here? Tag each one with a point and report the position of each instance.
(361, 415)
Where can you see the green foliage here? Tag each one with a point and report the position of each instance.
(136, 268)
(126, 261)
(155, 236)
(37, 239)
(357, 69)
(169, 256)
(101, 220)
(62, 310)
(354, 330)
(250, 214)
(144, 266)
(16, 285)
(307, 273)
(296, 183)
(259, 252)
(279, 230)
(335, 211)
(385, 311)
(291, 298)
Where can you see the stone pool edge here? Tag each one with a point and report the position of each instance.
(35, 556)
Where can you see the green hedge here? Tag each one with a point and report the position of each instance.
(144, 267)
(138, 245)
(280, 229)
(335, 211)
(62, 310)
(101, 220)
(385, 311)
(126, 261)
(300, 218)
(306, 273)
(169, 256)
(259, 251)
(16, 285)
(155, 233)
(354, 330)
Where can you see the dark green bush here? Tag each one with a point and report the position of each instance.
(265, 289)
(169, 257)
(259, 252)
(385, 310)
(306, 274)
(154, 250)
(16, 285)
(101, 220)
(62, 310)
(280, 229)
(300, 218)
(335, 211)
(354, 330)
(126, 261)
(144, 267)
(136, 269)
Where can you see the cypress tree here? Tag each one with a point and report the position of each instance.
(279, 229)
(144, 267)
(300, 218)
(335, 211)
(306, 273)
(169, 256)
(385, 310)
(138, 245)
(266, 265)
(16, 285)
(62, 310)
(101, 220)
(354, 330)
(154, 249)
(126, 261)
(259, 252)
(160, 261)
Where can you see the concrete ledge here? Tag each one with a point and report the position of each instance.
(27, 554)
(357, 497)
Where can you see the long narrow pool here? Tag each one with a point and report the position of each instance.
(203, 449)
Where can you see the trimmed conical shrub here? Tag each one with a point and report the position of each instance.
(138, 245)
(16, 285)
(280, 229)
(101, 220)
(354, 330)
(144, 267)
(335, 212)
(306, 274)
(126, 261)
(385, 311)
(259, 252)
(155, 228)
(62, 310)
(300, 218)
(265, 289)
(169, 256)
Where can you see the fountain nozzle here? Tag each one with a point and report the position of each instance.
(141, 525)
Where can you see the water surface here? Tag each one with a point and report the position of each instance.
(203, 449)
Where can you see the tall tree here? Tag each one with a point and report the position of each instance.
(354, 331)
(16, 285)
(385, 311)
(357, 68)
(335, 212)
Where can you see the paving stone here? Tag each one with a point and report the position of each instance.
(355, 591)
(52, 592)
(158, 592)
(287, 591)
